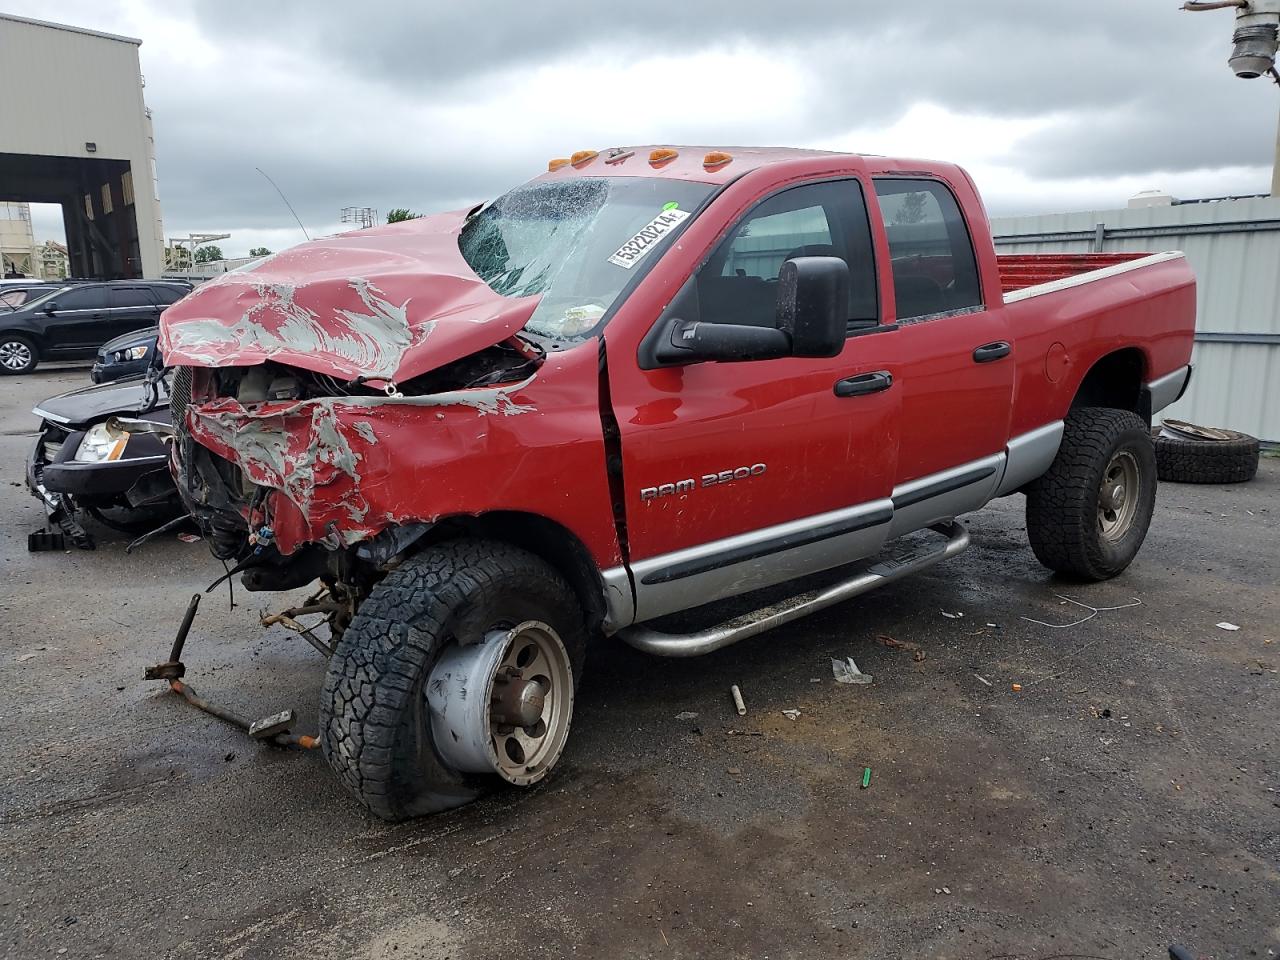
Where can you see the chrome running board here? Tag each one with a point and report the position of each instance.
(740, 628)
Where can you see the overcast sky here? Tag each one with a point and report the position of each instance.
(1053, 105)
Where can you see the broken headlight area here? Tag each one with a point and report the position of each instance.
(102, 443)
(217, 495)
(272, 458)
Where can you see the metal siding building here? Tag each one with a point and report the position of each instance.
(77, 132)
(1234, 248)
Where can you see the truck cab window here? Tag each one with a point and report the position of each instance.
(934, 269)
(739, 283)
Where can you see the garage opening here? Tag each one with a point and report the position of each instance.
(98, 210)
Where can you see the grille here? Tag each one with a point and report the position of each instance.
(51, 442)
(180, 397)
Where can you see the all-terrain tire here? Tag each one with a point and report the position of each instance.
(375, 729)
(1183, 460)
(1063, 520)
(18, 354)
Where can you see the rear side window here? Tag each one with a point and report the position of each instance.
(167, 295)
(934, 268)
(739, 283)
(80, 298)
(131, 297)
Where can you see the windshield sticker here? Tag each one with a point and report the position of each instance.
(631, 252)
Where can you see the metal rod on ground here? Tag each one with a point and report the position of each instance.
(179, 641)
(737, 700)
(173, 668)
(280, 739)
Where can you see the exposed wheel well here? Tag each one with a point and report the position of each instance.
(1115, 381)
(542, 537)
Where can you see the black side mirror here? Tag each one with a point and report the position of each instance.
(50, 309)
(813, 305)
(812, 312)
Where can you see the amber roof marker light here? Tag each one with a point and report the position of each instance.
(556, 164)
(664, 155)
(716, 159)
(583, 157)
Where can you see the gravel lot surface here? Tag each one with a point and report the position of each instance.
(1125, 799)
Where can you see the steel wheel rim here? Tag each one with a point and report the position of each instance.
(15, 355)
(1118, 495)
(504, 704)
(524, 748)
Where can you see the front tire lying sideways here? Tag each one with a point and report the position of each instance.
(456, 673)
(1088, 514)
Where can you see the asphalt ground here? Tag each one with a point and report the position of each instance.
(1126, 798)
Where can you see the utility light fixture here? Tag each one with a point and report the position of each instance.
(1256, 37)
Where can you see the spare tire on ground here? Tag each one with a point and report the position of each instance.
(1187, 453)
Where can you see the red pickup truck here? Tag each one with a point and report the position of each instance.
(646, 381)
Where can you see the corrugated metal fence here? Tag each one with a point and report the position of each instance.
(1234, 247)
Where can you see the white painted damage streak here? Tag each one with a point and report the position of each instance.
(371, 342)
(310, 449)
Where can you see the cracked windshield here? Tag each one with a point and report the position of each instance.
(576, 242)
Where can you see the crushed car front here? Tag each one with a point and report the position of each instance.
(82, 459)
(327, 396)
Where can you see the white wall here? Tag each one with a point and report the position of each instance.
(61, 88)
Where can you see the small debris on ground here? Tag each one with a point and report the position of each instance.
(892, 643)
(687, 715)
(1017, 688)
(952, 616)
(866, 777)
(738, 703)
(734, 771)
(189, 538)
(1228, 626)
(791, 714)
(983, 679)
(846, 671)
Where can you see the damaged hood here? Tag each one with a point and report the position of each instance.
(89, 404)
(385, 304)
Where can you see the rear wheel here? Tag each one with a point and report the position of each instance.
(457, 673)
(18, 354)
(1089, 513)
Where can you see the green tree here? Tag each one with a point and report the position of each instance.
(209, 253)
(401, 214)
(259, 252)
(911, 209)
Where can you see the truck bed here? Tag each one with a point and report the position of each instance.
(1021, 270)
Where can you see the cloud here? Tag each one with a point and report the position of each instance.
(434, 106)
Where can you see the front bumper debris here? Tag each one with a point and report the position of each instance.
(274, 728)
